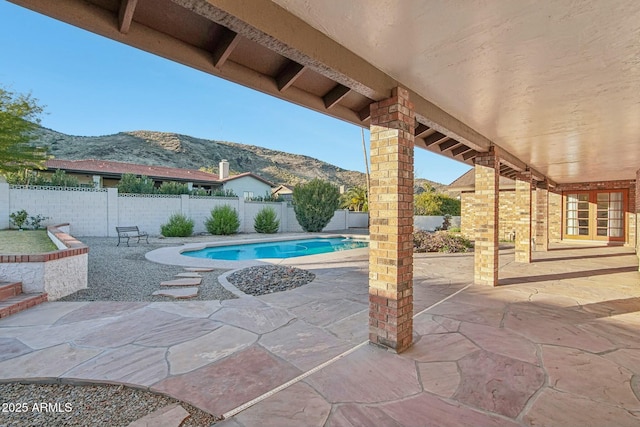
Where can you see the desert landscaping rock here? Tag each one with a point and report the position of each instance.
(90, 405)
(178, 293)
(267, 279)
(124, 274)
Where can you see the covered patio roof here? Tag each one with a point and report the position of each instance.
(555, 88)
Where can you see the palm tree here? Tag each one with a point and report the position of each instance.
(355, 199)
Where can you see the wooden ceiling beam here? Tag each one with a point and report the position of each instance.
(447, 145)
(125, 15)
(335, 95)
(289, 75)
(470, 155)
(365, 113)
(421, 130)
(460, 150)
(433, 138)
(223, 48)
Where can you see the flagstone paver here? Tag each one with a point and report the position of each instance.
(12, 347)
(208, 348)
(189, 281)
(557, 346)
(441, 378)
(126, 329)
(183, 329)
(188, 308)
(131, 364)
(259, 320)
(46, 363)
(220, 387)
(178, 293)
(497, 383)
(199, 269)
(368, 375)
(304, 346)
(554, 408)
(295, 406)
(589, 375)
(189, 274)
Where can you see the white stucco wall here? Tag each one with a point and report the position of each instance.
(247, 183)
(65, 276)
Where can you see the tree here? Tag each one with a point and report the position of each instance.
(355, 199)
(433, 203)
(315, 204)
(19, 116)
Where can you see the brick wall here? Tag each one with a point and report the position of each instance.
(506, 214)
(391, 225)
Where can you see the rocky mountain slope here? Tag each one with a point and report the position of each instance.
(182, 151)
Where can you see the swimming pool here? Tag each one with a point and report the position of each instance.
(286, 249)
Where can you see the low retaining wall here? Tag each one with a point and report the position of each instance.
(57, 273)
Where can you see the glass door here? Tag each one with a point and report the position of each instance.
(577, 224)
(595, 215)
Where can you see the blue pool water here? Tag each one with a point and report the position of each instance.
(288, 249)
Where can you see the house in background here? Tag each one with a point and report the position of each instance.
(598, 212)
(283, 191)
(107, 174)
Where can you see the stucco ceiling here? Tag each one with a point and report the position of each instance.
(555, 83)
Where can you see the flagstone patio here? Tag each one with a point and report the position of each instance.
(556, 344)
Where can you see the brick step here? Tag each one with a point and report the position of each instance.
(20, 302)
(10, 289)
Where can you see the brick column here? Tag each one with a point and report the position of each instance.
(636, 209)
(555, 216)
(523, 217)
(486, 218)
(391, 222)
(542, 218)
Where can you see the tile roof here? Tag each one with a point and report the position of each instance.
(242, 175)
(118, 168)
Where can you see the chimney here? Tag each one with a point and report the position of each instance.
(223, 169)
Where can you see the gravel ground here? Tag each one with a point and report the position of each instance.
(267, 279)
(87, 405)
(121, 273)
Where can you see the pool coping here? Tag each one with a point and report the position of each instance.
(172, 255)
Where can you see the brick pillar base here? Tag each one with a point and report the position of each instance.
(542, 218)
(391, 222)
(523, 217)
(486, 219)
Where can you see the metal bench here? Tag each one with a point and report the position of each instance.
(129, 232)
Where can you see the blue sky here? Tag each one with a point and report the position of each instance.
(92, 85)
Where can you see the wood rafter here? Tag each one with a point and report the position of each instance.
(335, 95)
(447, 145)
(289, 74)
(223, 48)
(460, 150)
(470, 155)
(125, 15)
(421, 130)
(365, 113)
(434, 138)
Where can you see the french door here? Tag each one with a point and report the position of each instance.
(595, 215)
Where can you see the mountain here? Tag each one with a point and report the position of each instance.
(183, 151)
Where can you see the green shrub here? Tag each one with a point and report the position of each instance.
(454, 230)
(18, 218)
(266, 221)
(441, 241)
(173, 187)
(132, 184)
(223, 221)
(315, 204)
(199, 192)
(223, 193)
(61, 179)
(178, 226)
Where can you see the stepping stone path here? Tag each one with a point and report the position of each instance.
(179, 293)
(185, 286)
(188, 275)
(190, 281)
(198, 269)
(169, 416)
